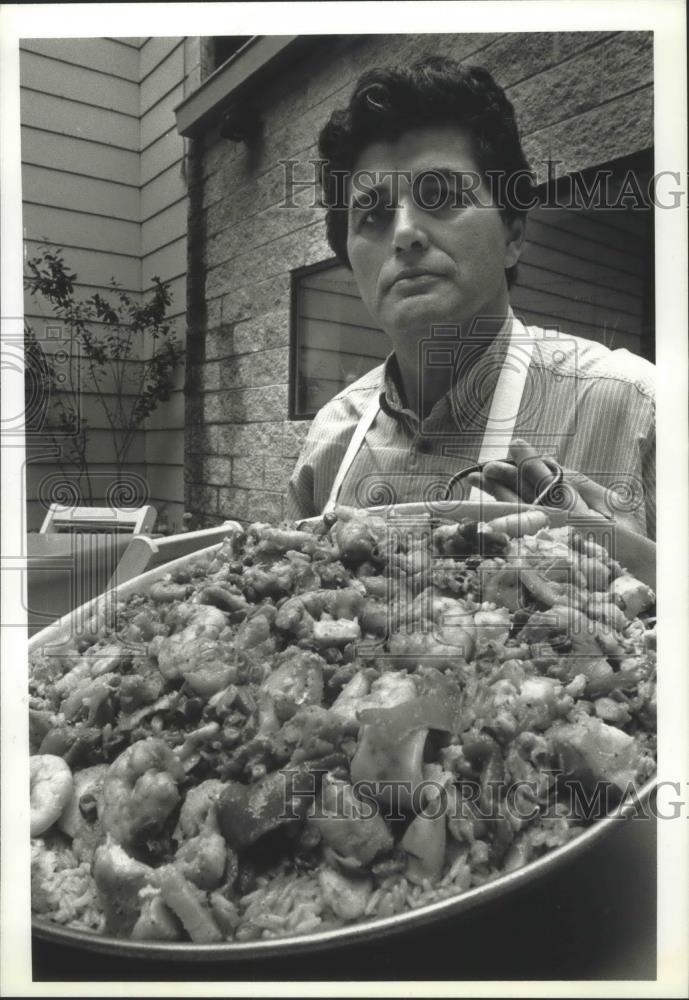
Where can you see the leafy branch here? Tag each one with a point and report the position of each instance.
(124, 351)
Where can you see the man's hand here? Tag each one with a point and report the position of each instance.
(530, 476)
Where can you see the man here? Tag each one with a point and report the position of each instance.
(437, 189)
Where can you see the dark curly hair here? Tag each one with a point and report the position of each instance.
(433, 91)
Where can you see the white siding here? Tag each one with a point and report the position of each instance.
(103, 178)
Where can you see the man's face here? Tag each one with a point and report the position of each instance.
(417, 265)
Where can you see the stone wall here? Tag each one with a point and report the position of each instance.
(582, 99)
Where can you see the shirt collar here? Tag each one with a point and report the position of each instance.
(392, 399)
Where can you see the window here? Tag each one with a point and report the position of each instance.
(225, 46)
(588, 269)
(334, 341)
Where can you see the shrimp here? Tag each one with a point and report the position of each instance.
(202, 855)
(453, 623)
(278, 580)
(451, 648)
(299, 614)
(155, 922)
(392, 688)
(254, 633)
(358, 535)
(296, 682)
(491, 625)
(294, 617)
(51, 788)
(202, 859)
(630, 594)
(335, 632)
(140, 790)
(210, 666)
(277, 541)
(195, 653)
(350, 699)
(119, 880)
(375, 617)
(196, 808)
(188, 903)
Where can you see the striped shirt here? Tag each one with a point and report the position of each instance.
(589, 408)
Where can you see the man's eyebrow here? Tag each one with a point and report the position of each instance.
(444, 171)
(361, 199)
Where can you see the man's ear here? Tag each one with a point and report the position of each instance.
(515, 235)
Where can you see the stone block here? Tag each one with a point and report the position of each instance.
(314, 246)
(293, 437)
(265, 506)
(257, 298)
(213, 312)
(295, 134)
(234, 372)
(210, 376)
(233, 503)
(241, 236)
(267, 402)
(276, 327)
(260, 368)
(251, 405)
(219, 342)
(230, 198)
(339, 68)
(563, 91)
(200, 439)
(214, 408)
(277, 473)
(249, 336)
(627, 63)
(213, 445)
(201, 499)
(248, 472)
(516, 56)
(251, 439)
(566, 43)
(239, 278)
(217, 470)
(619, 128)
(270, 367)
(216, 153)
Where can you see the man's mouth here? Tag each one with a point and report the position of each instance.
(412, 274)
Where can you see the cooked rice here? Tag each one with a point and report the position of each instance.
(63, 888)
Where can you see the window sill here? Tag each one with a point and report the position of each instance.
(253, 62)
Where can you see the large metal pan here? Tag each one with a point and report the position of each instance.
(633, 552)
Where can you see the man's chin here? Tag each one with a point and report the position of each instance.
(419, 315)
(418, 318)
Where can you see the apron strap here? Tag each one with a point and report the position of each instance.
(365, 421)
(506, 402)
(502, 417)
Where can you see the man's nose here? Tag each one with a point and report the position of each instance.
(409, 232)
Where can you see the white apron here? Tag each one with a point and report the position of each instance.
(502, 417)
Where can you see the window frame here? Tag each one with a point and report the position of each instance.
(293, 368)
(296, 276)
